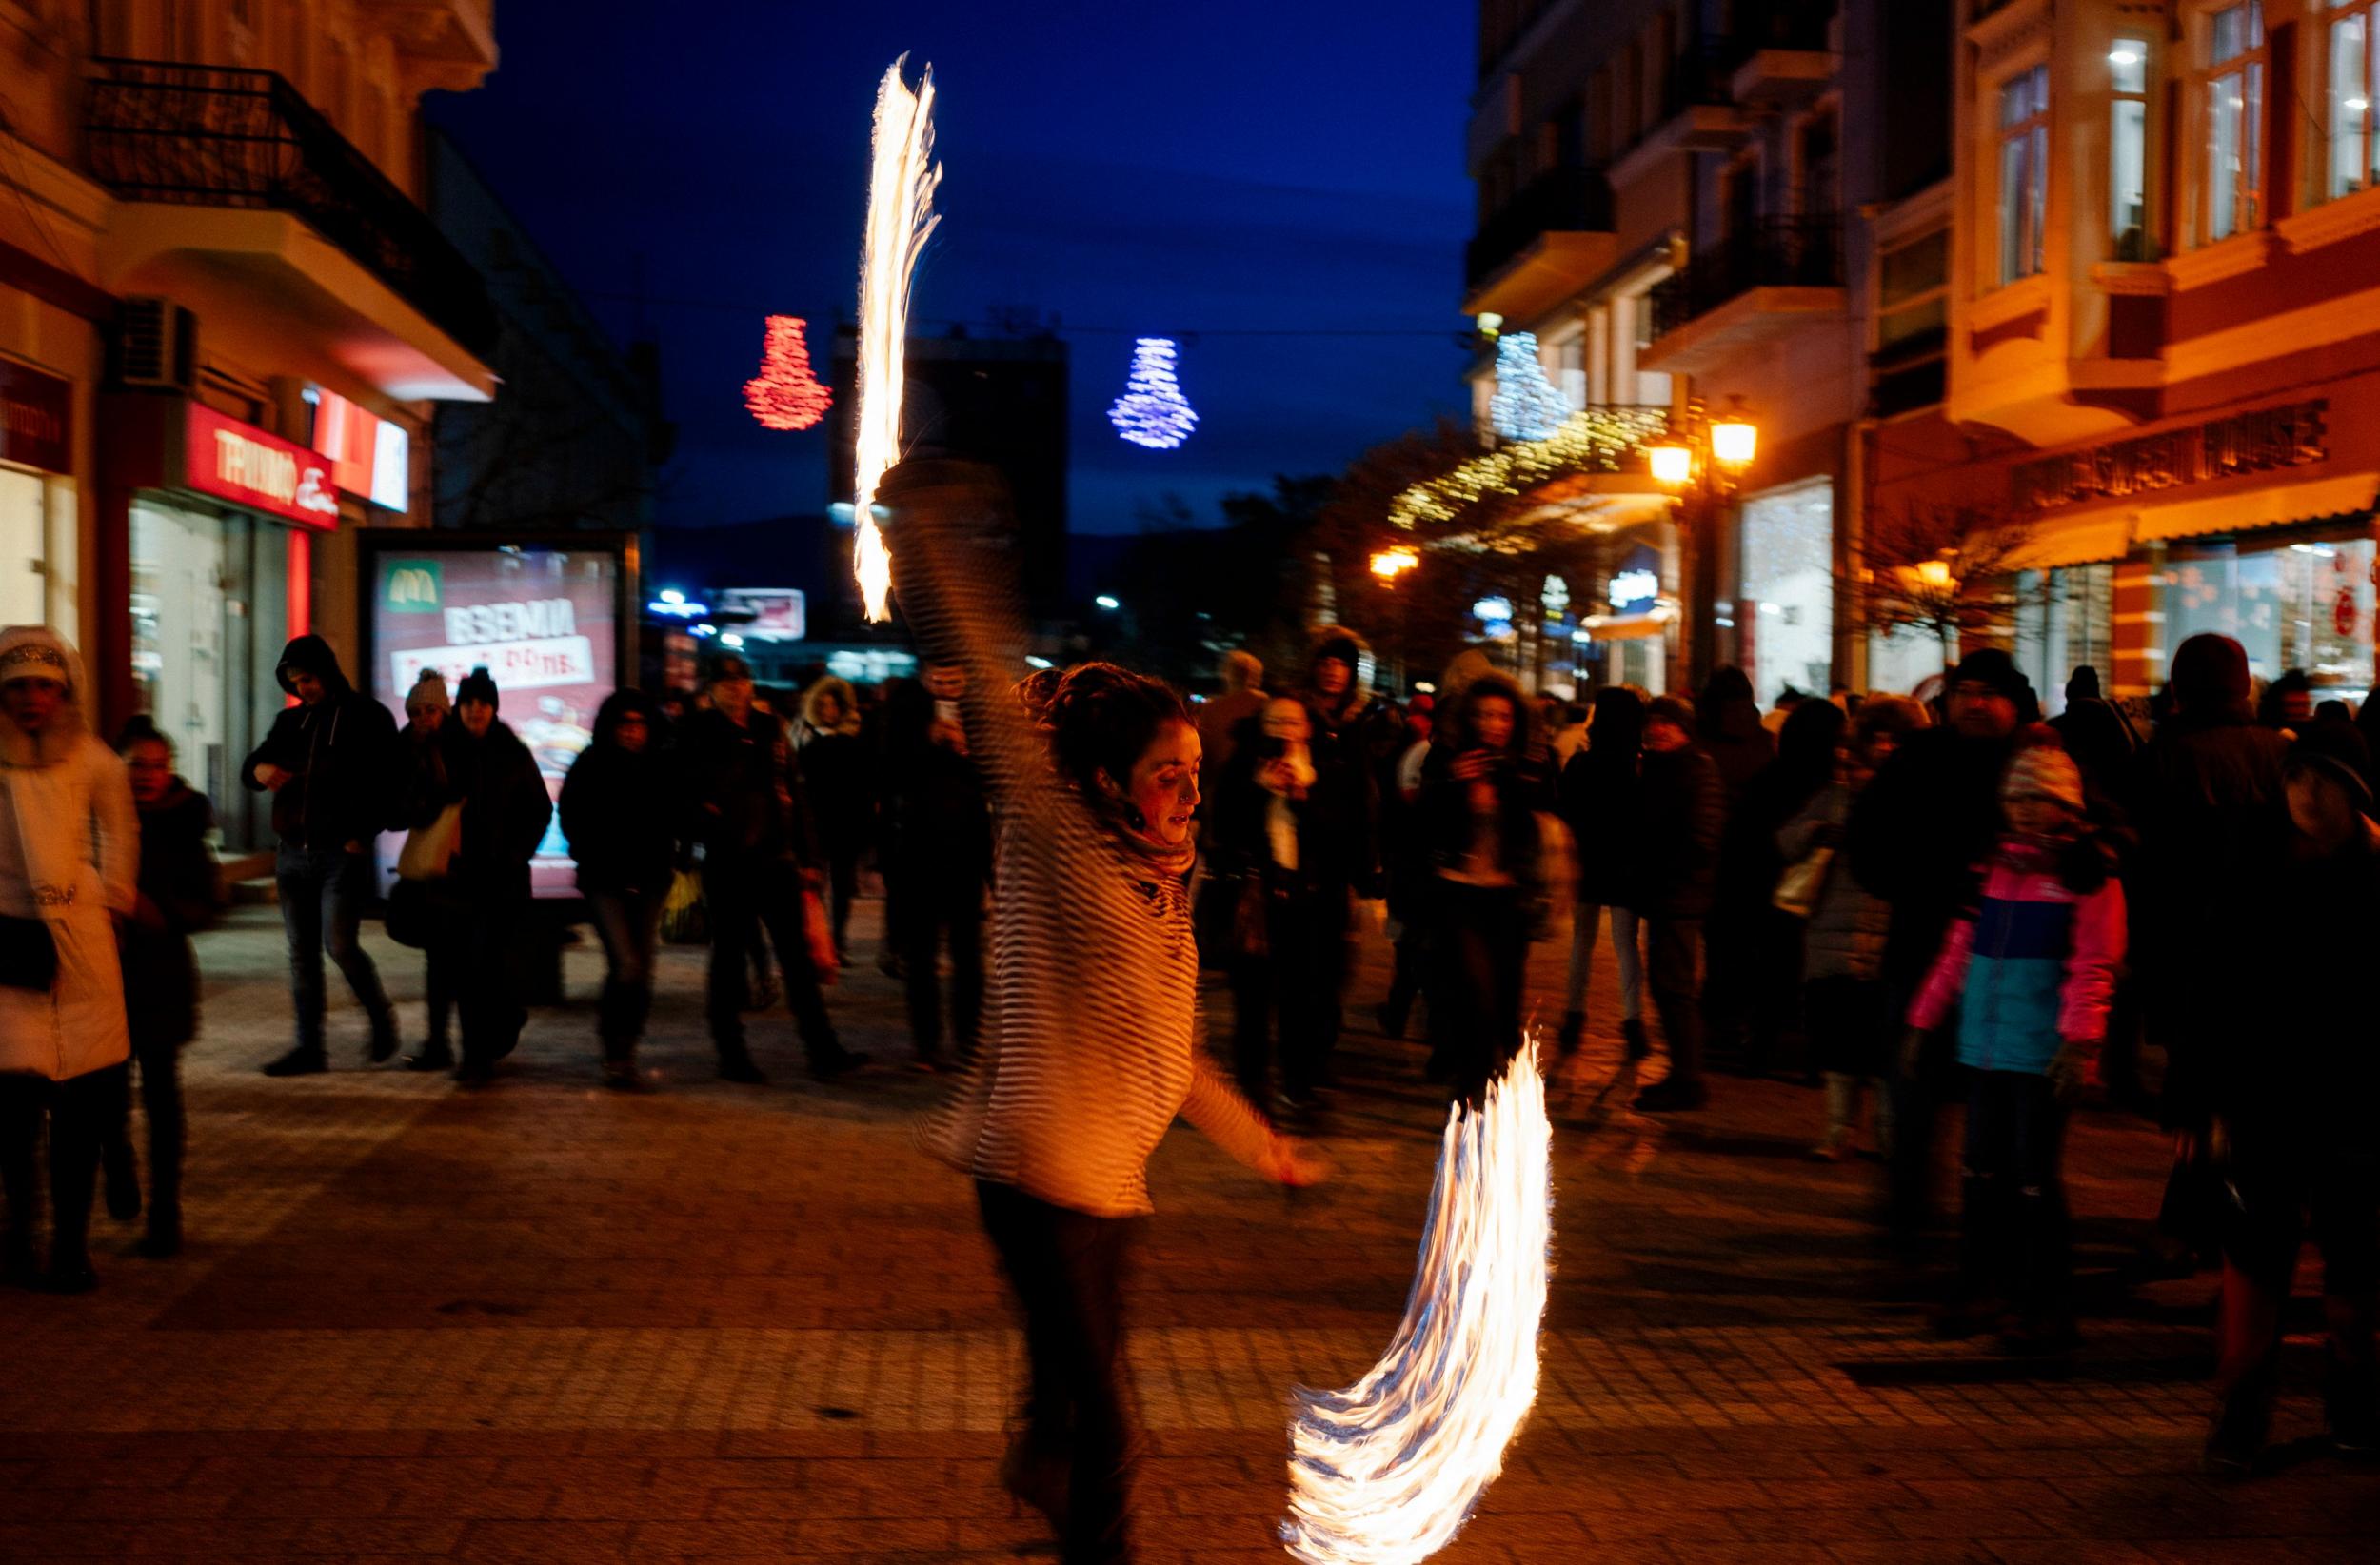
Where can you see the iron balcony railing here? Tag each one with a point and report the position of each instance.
(213, 136)
(1779, 252)
(1557, 201)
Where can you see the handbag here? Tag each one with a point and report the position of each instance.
(1797, 889)
(684, 921)
(29, 954)
(430, 849)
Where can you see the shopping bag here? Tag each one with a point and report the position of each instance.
(1799, 889)
(430, 850)
(683, 919)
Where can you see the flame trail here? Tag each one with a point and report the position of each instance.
(1387, 1472)
(901, 217)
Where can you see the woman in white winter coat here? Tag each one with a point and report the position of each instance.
(70, 867)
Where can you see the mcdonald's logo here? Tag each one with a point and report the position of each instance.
(411, 587)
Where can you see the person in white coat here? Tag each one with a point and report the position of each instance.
(70, 865)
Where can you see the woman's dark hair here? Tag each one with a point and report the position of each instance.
(1805, 749)
(140, 728)
(1102, 719)
(1466, 736)
(1618, 732)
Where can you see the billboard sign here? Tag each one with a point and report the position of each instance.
(778, 614)
(240, 463)
(545, 623)
(369, 457)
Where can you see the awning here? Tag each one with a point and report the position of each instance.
(2281, 504)
(1627, 627)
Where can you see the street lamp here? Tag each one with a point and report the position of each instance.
(1107, 602)
(1702, 460)
(1389, 563)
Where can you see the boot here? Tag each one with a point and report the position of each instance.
(436, 1054)
(735, 1064)
(1038, 1476)
(620, 1074)
(304, 1059)
(2351, 1408)
(1842, 1117)
(2235, 1438)
(123, 1177)
(1637, 1046)
(1573, 1028)
(383, 1047)
(835, 1062)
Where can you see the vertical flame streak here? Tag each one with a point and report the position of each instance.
(1387, 1472)
(901, 217)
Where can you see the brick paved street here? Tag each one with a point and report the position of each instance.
(546, 1322)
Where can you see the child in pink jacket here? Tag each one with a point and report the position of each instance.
(2030, 968)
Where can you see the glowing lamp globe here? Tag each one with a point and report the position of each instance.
(1673, 466)
(1734, 442)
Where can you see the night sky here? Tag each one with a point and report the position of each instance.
(1227, 164)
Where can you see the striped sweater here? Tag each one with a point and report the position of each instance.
(1092, 1046)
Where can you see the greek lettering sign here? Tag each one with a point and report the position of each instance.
(36, 418)
(2292, 435)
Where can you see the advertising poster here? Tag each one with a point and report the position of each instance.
(542, 622)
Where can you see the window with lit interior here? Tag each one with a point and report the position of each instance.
(2349, 66)
(2024, 171)
(2127, 148)
(2232, 109)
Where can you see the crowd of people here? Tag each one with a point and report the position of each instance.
(1914, 901)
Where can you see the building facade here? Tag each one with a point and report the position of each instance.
(225, 321)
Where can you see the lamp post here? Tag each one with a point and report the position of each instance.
(1388, 565)
(1702, 463)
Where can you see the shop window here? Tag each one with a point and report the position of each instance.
(2352, 79)
(24, 529)
(2065, 621)
(2305, 604)
(2024, 171)
(2232, 111)
(1786, 613)
(1902, 660)
(2127, 148)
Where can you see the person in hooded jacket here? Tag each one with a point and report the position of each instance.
(626, 850)
(1601, 802)
(69, 858)
(2213, 813)
(329, 763)
(179, 892)
(1729, 730)
(1755, 1016)
(938, 850)
(505, 811)
(1343, 806)
(836, 775)
(1681, 812)
(428, 710)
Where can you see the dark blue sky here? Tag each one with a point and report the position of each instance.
(1156, 169)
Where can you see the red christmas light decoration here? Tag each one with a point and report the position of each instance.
(787, 393)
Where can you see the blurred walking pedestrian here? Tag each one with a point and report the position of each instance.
(330, 764)
(1345, 848)
(1263, 857)
(1097, 1046)
(1728, 728)
(1601, 801)
(1682, 806)
(1219, 717)
(836, 779)
(2029, 966)
(1849, 1018)
(426, 710)
(1916, 834)
(1768, 978)
(179, 892)
(615, 815)
(761, 869)
(2291, 1120)
(937, 862)
(1405, 863)
(70, 865)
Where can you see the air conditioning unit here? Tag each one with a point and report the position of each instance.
(157, 344)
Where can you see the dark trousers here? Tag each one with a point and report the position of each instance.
(628, 923)
(2290, 1178)
(1068, 1269)
(161, 1106)
(321, 905)
(842, 881)
(85, 1113)
(928, 922)
(745, 903)
(2013, 1234)
(1917, 1097)
(487, 961)
(1478, 954)
(1850, 1024)
(1292, 981)
(1672, 952)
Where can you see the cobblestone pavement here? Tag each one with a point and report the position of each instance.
(547, 1322)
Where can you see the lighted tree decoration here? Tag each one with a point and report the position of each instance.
(786, 394)
(1525, 405)
(1153, 412)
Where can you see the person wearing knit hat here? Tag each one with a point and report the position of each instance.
(426, 710)
(2030, 968)
(477, 686)
(428, 695)
(71, 872)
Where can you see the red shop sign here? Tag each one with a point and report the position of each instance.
(36, 418)
(240, 463)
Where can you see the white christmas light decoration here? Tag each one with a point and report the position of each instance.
(1600, 440)
(900, 219)
(1525, 405)
(1387, 1472)
(1153, 412)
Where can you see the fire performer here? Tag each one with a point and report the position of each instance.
(1097, 1045)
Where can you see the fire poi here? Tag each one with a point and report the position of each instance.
(1387, 1472)
(901, 217)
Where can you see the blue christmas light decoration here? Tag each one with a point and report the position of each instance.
(1525, 405)
(1153, 412)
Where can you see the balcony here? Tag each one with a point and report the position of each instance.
(242, 200)
(1543, 245)
(1747, 289)
(1785, 57)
